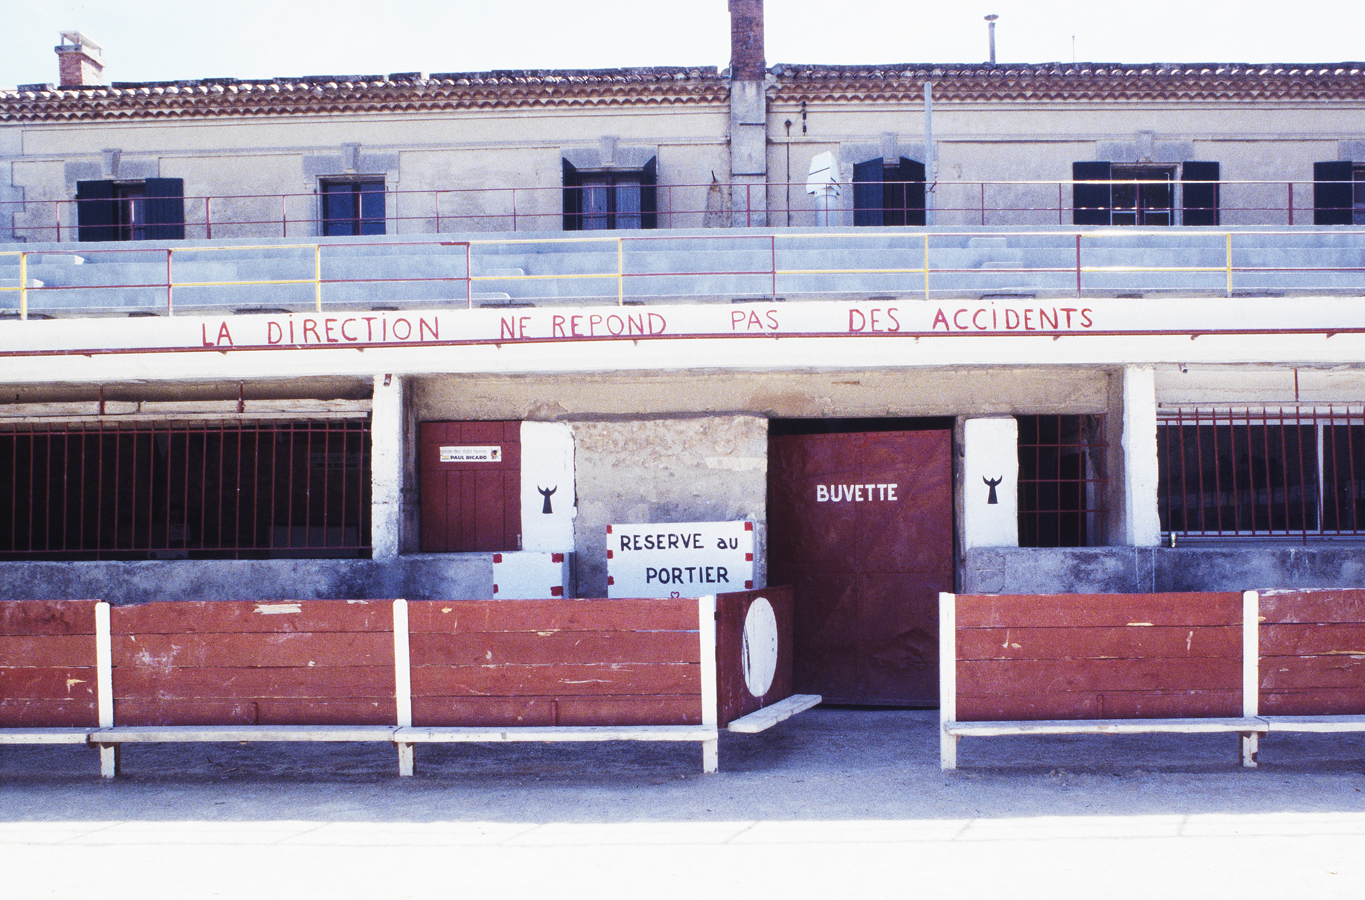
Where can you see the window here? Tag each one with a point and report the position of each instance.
(1061, 481)
(1106, 193)
(610, 198)
(353, 206)
(1262, 472)
(221, 490)
(1338, 193)
(888, 194)
(153, 209)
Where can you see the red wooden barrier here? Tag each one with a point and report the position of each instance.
(1098, 656)
(753, 651)
(555, 662)
(47, 664)
(307, 662)
(1312, 652)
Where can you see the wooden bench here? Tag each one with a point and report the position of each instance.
(1247, 728)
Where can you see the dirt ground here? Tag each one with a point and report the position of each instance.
(835, 803)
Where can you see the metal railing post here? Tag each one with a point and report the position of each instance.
(926, 265)
(620, 272)
(1291, 202)
(23, 285)
(773, 238)
(1229, 263)
(208, 218)
(317, 275)
(1078, 264)
(514, 209)
(170, 302)
(468, 275)
(284, 216)
(438, 212)
(57, 217)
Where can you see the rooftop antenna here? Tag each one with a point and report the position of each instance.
(1073, 49)
(991, 20)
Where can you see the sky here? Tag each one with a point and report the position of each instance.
(172, 40)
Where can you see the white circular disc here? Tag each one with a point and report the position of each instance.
(760, 647)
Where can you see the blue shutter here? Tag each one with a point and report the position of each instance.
(649, 200)
(164, 208)
(372, 207)
(911, 191)
(1090, 202)
(1200, 182)
(868, 198)
(573, 198)
(1331, 193)
(96, 211)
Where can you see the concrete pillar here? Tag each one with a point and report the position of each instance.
(1141, 522)
(990, 495)
(386, 467)
(748, 115)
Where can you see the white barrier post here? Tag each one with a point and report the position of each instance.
(947, 678)
(402, 683)
(1251, 672)
(104, 688)
(706, 628)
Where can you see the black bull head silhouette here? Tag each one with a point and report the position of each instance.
(546, 494)
(991, 498)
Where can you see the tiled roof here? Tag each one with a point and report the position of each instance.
(1074, 82)
(406, 92)
(415, 92)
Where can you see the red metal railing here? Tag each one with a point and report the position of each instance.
(540, 208)
(1285, 471)
(156, 490)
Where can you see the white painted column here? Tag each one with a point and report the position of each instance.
(990, 496)
(402, 683)
(1251, 672)
(1141, 522)
(710, 698)
(104, 688)
(947, 679)
(386, 467)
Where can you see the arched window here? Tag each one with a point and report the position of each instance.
(888, 194)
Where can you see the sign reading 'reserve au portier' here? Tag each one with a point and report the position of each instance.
(679, 559)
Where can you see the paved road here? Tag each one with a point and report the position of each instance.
(835, 804)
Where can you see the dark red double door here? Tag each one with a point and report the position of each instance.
(861, 526)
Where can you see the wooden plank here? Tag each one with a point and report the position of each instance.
(157, 711)
(1321, 724)
(1286, 673)
(44, 735)
(1312, 639)
(47, 650)
(484, 711)
(224, 734)
(47, 683)
(18, 713)
(1096, 705)
(732, 610)
(1110, 726)
(56, 617)
(445, 616)
(769, 716)
(1313, 606)
(558, 734)
(657, 710)
(1097, 610)
(336, 682)
(1314, 702)
(554, 647)
(978, 677)
(238, 616)
(551, 681)
(1123, 642)
(255, 650)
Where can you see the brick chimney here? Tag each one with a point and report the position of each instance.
(79, 63)
(746, 40)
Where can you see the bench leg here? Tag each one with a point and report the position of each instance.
(947, 750)
(111, 760)
(1250, 742)
(405, 759)
(710, 755)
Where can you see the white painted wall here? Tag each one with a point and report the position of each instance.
(991, 456)
(386, 466)
(547, 464)
(1141, 522)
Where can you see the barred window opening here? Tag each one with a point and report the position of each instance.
(1062, 481)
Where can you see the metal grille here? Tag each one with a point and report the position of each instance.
(1285, 472)
(221, 490)
(1062, 483)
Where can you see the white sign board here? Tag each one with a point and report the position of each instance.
(679, 559)
(531, 576)
(452, 454)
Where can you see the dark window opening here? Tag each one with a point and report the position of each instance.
(230, 490)
(888, 194)
(353, 207)
(1262, 472)
(1104, 193)
(152, 209)
(596, 200)
(1062, 483)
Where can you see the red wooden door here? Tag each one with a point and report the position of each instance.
(861, 526)
(471, 486)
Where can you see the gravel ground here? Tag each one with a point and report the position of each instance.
(832, 802)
